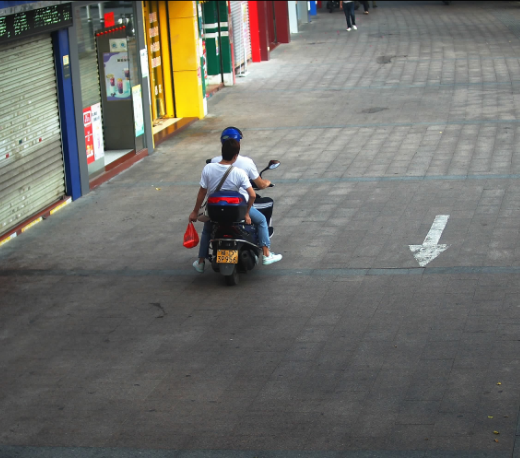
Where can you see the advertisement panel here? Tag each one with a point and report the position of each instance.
(89, 137)
(93, 133)
(117, 76)
(97, 131)
(138, 110)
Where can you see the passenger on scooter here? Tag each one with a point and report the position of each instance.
(237, 180)
(243, 162)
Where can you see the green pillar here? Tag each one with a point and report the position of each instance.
(212, 38)
(227, 63)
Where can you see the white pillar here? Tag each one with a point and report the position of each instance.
(293, 16)
(303, 12)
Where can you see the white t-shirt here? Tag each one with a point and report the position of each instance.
(245, 163)
(236, 181)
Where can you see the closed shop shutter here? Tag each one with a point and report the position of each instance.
(31, 160)
(240, 39)
(88, 69)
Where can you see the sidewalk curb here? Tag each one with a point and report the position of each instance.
(38, 218)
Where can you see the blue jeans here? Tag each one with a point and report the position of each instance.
(348, 9)
(257, 218)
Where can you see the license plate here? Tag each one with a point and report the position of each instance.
(227, 256)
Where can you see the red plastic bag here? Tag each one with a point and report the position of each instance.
(191, 238)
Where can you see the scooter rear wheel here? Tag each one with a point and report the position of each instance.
(233, 279)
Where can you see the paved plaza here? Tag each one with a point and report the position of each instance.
(404, 132)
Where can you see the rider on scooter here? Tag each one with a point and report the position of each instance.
(209, 179)
(243, 162)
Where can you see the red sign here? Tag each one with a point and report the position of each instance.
(109, 19)
(89, 134)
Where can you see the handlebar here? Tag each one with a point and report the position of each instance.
(256, 188)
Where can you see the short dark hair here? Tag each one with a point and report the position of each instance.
(230, 148)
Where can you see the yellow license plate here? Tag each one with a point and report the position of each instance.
(227, 256)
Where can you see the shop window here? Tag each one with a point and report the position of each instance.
(110, 83)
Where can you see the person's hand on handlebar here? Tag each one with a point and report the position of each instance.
(261, 183)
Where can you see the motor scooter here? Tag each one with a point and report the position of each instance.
(234, 244)
(332, 5)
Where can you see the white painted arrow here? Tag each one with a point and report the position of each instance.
(430, 248)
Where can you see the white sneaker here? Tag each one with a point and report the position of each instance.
(199, 267)
(272, 258)
(348, 29)
(354, 27)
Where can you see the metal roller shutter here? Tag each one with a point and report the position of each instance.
(239, 40)
(31, 160)
(88, 69)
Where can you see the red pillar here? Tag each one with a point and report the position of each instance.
(319, 3)
(281, 11)
(258, 28)
(255, 31)
(270, 23)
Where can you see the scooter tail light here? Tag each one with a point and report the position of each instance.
(228, 200)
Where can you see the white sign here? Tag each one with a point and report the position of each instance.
(138, 110)
(118, 44)
(97, 131)
(144, 63)
(430, 248)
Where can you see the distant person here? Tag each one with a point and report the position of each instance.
(374, 5)
(365, 6)
(350, 16)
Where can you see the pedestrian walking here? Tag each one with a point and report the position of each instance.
(350, 16)
(365, 6)
(374, 5)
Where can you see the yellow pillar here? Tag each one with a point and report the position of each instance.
(185, 46)
(165, 55)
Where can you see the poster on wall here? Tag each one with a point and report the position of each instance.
(138, 110)
(144, 62)
(117, 75)
(89, 137)
(97, 131)
(93, 133)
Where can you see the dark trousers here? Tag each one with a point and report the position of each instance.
(365, 5)
(348, 9)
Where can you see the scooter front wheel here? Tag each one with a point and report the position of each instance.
(233, 279)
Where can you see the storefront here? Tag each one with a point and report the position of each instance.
(269, 25)
(80, 84)
(175, 50)
(159, 60)
(111, 91)
(37, 167)
(218, 60)
(241, 35)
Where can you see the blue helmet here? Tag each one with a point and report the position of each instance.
(231, 132)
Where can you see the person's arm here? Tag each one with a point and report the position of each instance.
(261, 183)
(255, 176)
(252, 197)
(200, 198)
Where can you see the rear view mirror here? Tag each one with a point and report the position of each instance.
(273, 164)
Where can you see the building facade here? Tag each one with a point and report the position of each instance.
(89, 88)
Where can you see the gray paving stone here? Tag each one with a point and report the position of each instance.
(347, 348)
